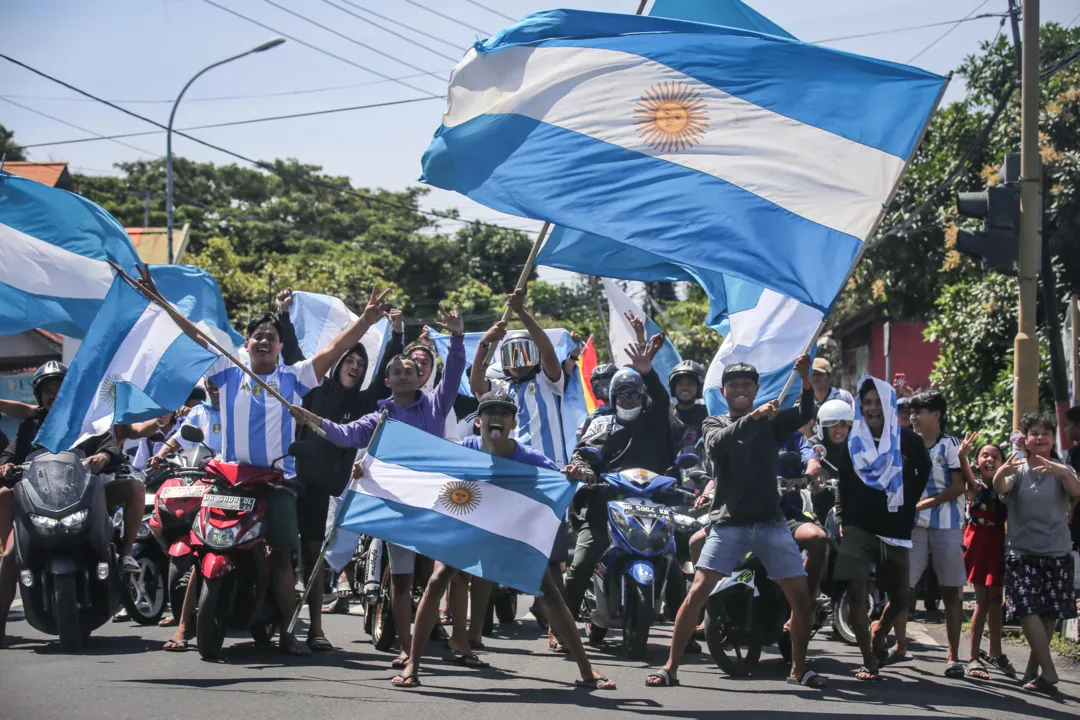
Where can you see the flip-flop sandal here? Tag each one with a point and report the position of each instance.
(954, 671)
(169, 621)
(555, 646)
(399, 663)
(319, 643)
(1000, 663)
(596, 683)
(665, 679)
(866, 675)
(976, 671)
(175, 646)
(1041, 685)
(444, 619)
(405, 682)
(468, 660)
(809, 679)
(895, 656)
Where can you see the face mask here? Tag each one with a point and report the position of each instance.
(627, 415)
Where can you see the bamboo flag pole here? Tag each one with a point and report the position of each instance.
(330, 536)
(190, 327)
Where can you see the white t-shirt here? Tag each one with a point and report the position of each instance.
(539, 418)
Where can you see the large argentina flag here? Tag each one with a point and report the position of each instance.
(713, 150)
(481, 514)
(135, 364)
(318, 319)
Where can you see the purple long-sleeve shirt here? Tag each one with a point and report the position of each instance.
(427, 413)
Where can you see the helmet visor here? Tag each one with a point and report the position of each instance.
(519, 353)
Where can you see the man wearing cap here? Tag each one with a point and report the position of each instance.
(821, 379)
(498, 417)
(743, 446)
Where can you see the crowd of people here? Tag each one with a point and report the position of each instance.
(902, 493)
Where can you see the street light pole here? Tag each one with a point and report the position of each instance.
(272, 43)
(1026, 346)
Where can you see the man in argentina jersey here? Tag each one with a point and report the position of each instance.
(938, 532)
(533, 378)
(257, 429)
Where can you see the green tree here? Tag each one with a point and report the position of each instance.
(9, 149)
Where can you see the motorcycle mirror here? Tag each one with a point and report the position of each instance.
(685, 461)
(820, 452)
(191, 433)
(301, 449)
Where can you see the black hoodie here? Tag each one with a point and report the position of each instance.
(329, 467)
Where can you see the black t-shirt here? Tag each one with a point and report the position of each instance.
(686, 426)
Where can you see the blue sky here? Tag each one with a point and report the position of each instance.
(145, 50)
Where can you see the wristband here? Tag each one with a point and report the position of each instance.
(484, 345)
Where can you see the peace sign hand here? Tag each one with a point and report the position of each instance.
(375, 311)
(967, 444)
(452, 321)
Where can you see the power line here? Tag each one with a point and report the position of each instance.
(401, 24)
(448, 17)
(231, 123)
(395, 33)
(316, 48)
(906, 29)
(258, 163)
(491, 10)
(97, 136)
(347, 38)
(946, 33)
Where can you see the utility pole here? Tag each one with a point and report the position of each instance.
(1026, 346)
(146, 211)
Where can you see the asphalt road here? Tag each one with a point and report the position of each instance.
(124, 674)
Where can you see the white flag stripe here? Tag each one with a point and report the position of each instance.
(500, 511)
(770, 335)
(134, 362)
(811, 172)
(32, 265)
(619, 328)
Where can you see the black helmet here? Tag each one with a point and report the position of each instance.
(687, 367)
(48, 371)
(600, 380)
(627, 381)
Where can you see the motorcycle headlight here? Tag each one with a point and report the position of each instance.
(638, 539)
(620, 521)
(660, 535)
(75, 519)
(253, 533)
(118, 517)
(45, 523)
(221, 537)
(144, 531)
(685, 523)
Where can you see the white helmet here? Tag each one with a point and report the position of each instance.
(835, 411)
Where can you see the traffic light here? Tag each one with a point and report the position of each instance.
(998, 243)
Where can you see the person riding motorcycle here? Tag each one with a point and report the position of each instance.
(599, 383)
(686, 382)
(634, 435)
(100, 453)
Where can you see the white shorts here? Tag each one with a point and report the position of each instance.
(402, 560)
(946, 547)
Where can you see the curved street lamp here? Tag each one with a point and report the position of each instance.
(272, 43)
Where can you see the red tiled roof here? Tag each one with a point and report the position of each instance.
(153, 243)
(53, 174)
(55, 337)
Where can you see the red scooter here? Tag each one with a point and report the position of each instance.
(230, 546)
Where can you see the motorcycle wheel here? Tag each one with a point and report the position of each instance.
(180, 570)
(735, 649)
(506, 607)
(66, 608)
(383, 631)
(145, 605)
(211, 623)
(638, 617)
(841, 619)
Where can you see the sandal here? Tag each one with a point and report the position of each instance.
(399, 662)
(976, 670)
(169, 621)
(664, 675)
(319, 643)
(809, 679)
(406, 682)
(555, 646)
(895, 656)
(595, 683)
(469, 660)
(444, 619)
(1041, 685)
(866, 674)
(955, 671)
(175, 645)
(999, 663)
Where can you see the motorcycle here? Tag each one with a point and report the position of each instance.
(144, 595)
(628, 582)
(231, 549)
(373, 571)
(176, 505)
(66, 553)
(687, 522)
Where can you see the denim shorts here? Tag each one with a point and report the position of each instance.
(727, 546)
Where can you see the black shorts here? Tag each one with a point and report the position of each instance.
(312, 507)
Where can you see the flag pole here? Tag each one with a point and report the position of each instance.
(189, 326)
(866, 241)
(330, 537)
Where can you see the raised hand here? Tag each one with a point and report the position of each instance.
(655, 343)
(495, 334)
(640, 359)
(637, 323)
(969, 442)
(768, 411)
(802, 367)
(516, 301)
(397, 320)
(1049, 467)
(452, 321)
(283, 300)
(375, 311)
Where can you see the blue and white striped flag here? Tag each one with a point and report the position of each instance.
(134, 364)
(622, 333)
(481, 514)
(878, 461)
(318, 319)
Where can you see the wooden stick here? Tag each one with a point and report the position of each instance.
(189, 326)
(523, 278)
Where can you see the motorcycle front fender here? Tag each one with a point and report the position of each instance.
(214, 565)
(643, 572)
(180, 548)
(62, 565)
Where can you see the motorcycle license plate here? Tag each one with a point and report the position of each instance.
(645, 511)
(229, 502)
(184, 491)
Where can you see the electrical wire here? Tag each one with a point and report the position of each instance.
(97, 136)
(258, 163)
(906, 29)
(946, 33)
(449, 17)
(491, 10)
(316, 48)
(369, 11)
(395, 33)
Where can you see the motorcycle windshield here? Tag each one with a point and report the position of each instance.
(57, 481)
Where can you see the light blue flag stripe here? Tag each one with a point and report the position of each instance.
(196, 294)
(731, 13)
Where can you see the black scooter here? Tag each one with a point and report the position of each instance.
(69, 575)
